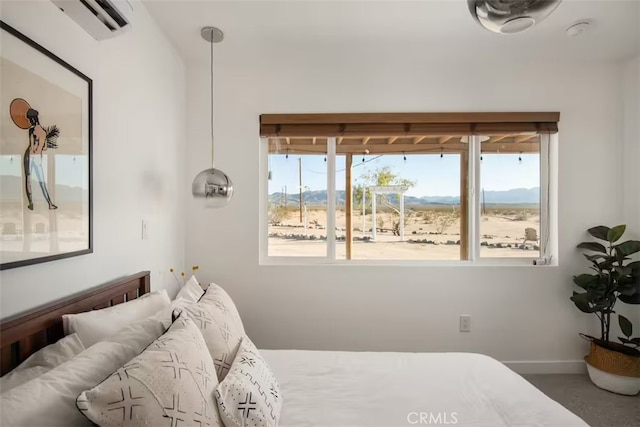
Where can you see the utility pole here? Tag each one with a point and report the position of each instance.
(300, 182)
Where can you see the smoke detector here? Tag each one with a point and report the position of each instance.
(510, 16)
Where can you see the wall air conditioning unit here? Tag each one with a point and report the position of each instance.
(102, 19)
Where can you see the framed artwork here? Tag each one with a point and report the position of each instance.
(45, 155)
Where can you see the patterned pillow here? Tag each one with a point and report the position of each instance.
(170, 383)
(221, 299)
(218, 320)
(250, 393)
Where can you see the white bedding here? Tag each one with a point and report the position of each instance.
(328, 388)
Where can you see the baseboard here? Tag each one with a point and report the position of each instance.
(548, 367)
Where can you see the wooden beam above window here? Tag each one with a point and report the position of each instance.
(406, 124)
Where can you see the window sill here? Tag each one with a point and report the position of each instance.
(485, 262)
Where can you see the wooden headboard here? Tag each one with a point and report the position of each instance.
(25, 333)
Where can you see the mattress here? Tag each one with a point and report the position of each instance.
(329, 388)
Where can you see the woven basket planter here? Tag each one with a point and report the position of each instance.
(613, 371)
(613, 362)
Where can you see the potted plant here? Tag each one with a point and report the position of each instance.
(613, 366)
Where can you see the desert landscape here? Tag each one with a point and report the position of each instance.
(431, 233)
(41, 231)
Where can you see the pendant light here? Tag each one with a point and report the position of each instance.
(212, 186)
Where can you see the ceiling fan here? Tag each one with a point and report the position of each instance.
(510, 16)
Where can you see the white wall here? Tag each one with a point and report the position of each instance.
(519, 313)
(139, 134)
(631, 147)
(631, 164)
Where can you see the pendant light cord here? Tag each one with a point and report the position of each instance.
(211, 105)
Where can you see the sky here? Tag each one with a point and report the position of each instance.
(433, 175)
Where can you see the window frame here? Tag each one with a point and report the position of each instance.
(548, 214)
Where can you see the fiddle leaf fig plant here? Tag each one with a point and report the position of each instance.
(615, 277)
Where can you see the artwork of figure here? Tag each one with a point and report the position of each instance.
(40, 139)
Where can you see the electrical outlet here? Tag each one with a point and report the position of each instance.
(465, 323)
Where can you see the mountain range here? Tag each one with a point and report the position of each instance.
(12, 188)
(513, 196)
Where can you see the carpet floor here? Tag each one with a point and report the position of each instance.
(597, 407)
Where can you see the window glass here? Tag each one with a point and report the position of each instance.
(510, 196)
(297, 198)
(406, 199)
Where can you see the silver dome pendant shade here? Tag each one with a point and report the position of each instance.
(510, 16)
(212, 186)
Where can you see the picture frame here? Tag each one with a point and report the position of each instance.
(46, 137)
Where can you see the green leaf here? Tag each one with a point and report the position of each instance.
(622, 271)
(625, 326)
(635, 341)
(584, 280)
(628, 286)
(630, 299)
(627, 248)
(582, 302)
(635, 268)
(593, 246)
(625, 341)
(607, 264)
(600, 232)
(595, 257)
(616, 233)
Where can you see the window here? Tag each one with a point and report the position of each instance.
(510, 196)
(417, 197)
(297, 199)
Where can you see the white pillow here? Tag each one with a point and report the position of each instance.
(191, 291)
(170, 383)
(221, 299)
(42, 361)
(93, 326)
(250, 393)
(49, 400)
(220, 325)
(167, 314)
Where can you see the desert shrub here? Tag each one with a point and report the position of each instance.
(428, 217)
(522, 215)
(277, 214)
(444, 221)
(408, 217)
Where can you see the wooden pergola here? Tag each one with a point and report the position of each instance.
(428, 144)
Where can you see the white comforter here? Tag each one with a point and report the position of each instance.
(328, 388)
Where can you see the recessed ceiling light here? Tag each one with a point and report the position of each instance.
(578, 28)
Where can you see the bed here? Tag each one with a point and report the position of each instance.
(329, 388)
